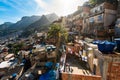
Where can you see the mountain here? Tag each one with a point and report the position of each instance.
(39, 25)
(3, 28)
(43, 21)
(35, 21)
(9, 28)
(52, 17)
(28, 24)
(25, 21)
(5, 25)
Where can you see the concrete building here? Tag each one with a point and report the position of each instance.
(75, 21)
(99, 23)
(117, 26)
(103, 64)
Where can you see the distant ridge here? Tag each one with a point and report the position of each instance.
(3, 28)
(41, 22)
(27, 23)
(5, 25)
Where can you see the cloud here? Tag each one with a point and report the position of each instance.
(61, 7)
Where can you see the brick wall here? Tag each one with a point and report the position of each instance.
(113, 71)
(66, 76)
(109, 6)
(108, 65)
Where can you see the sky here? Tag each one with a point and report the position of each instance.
(13, 10)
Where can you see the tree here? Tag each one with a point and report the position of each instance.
(56, 31)
(87, 3)
(114, 2)
(94, 2)
(14, 48)
(59, 34)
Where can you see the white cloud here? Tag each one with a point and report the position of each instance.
(60, 7)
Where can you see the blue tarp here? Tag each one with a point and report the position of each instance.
(49, 75)
(14, 75)
(49, 65)
(106, 46)
(57, 65)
